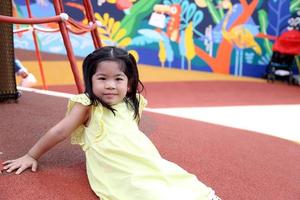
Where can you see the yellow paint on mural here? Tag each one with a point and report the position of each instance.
(135, 54)
(189, 44)
(201, 3)
(111, 30)
(162, 54)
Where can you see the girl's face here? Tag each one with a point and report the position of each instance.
(110, 84)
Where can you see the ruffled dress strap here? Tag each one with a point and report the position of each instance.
(77, 136)
(142, 103)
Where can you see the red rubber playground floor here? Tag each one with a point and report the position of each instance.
(240, 162)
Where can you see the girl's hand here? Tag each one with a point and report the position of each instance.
(20, 164)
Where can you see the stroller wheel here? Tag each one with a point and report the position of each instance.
(291, 80)
(270, 78)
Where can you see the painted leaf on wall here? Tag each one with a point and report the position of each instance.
(182, 50)
(150, 33)
(147, 36)
(189, 44)
(181, 44)
(111, 32)
(259, 4)
(197, 18)
(295, 6)
(169, 51)
(142, 40)
(190, 11)
(215, 14)
(184, 8)
(278, 15)
(162, 55)
(138, 12)
(263, 20)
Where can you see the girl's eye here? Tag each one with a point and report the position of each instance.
(119, 79)
(101, 78)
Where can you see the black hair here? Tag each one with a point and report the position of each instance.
(128, 66)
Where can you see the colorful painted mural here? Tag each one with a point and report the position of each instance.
(220, 36)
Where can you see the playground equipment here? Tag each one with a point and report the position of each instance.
(66, 24)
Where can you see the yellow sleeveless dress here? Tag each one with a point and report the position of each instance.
(123, 164)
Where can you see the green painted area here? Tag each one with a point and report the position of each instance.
(137, 13)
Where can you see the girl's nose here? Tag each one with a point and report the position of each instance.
(110, 84)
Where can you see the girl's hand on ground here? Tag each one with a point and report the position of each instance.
(20, 164)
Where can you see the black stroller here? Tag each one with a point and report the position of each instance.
(285, 48)
(280, 67)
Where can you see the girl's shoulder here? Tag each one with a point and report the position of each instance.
(142, 100)
(80, 98)
(142, 103)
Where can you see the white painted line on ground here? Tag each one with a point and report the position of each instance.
(276, 120)
(46, 92)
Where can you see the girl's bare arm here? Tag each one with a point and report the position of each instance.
(77, 116)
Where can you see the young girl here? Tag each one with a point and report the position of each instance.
(121, 162)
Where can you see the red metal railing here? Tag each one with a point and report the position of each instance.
(37, 49)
